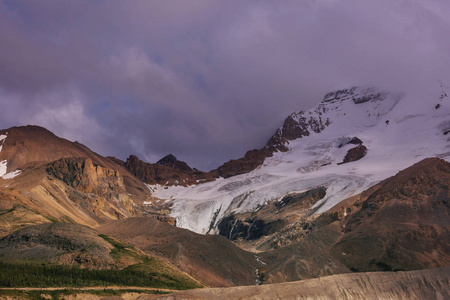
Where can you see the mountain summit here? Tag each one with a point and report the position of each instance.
(171, 161)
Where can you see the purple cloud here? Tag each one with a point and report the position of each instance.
(204, 80)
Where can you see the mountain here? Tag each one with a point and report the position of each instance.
(298, 125)
(26, 144)
(23, 145)
(353, 139)
(45, 178)
(211, 259)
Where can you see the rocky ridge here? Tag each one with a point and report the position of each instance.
(167, 171)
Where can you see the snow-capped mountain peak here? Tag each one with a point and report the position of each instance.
(378, 132)
(342, 110)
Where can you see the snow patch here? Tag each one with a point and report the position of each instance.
(2, 141)
(3, 165)
(258, 259)
(12, 174)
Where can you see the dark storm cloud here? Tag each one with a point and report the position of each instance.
(204, 80)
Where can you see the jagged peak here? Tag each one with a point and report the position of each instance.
(171, 161)
(168, 159)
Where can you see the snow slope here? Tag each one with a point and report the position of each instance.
(4, 163)
(398, 130)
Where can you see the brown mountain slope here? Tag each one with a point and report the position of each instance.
(77, 245)
(213, 260)
(59, 243)
(413, 285)
(66, 190)
(402, 223)
(30, 144)
(27, 144)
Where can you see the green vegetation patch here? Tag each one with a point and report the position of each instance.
(122, 250)
(29, 274)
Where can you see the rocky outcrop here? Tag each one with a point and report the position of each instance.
(100, 190)
(73, 190)
(247, 229)
(167, 171)
(251, 160)
(355, 154)
(296, 126)
(83, 175)
(357, 95)
(275, 224)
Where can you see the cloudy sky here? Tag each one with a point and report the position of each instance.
(204, 80)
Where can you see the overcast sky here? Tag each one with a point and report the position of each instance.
(203, 80)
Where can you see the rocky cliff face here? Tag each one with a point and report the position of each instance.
(296, 126)
(275, 224)
(83, 175)
(67, 190)
(107, 185)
